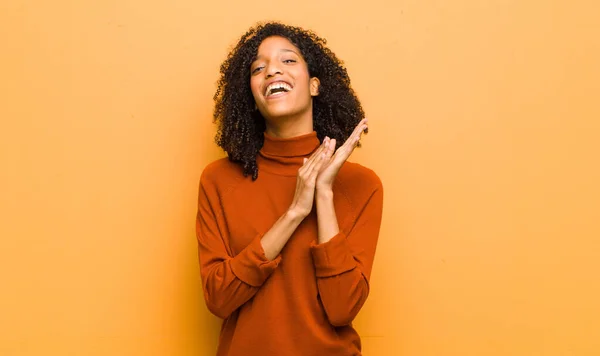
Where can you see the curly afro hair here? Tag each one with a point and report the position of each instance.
(336, 110)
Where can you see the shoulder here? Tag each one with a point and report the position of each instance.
(359, 184)
(221, 174)
(355, 176)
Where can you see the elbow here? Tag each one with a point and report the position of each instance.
(342, 314)
(341, 311)
(215, 294)
(215, 300)
(217, 307)
(341, 319)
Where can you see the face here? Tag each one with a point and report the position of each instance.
(279, 80)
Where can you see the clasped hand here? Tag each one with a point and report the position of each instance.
(318, 172)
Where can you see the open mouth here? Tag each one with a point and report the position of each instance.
(277, 88)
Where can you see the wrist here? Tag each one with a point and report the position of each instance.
(295, 215)
(324, 193)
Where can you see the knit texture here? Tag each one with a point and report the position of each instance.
(303, 302)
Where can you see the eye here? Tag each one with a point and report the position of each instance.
(257, 69)
(289, 61)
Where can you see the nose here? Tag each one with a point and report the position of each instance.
(272, 69)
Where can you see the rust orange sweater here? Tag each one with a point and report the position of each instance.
(303, 302)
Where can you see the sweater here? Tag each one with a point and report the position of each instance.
(303, 302)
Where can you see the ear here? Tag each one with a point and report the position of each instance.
(314, 86)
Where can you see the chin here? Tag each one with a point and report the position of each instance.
(283, 112)
(279, 113)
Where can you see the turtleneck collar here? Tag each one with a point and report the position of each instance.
(284, 156)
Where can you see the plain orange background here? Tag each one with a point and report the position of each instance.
(484, 129)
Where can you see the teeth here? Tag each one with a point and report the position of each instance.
(278, 85)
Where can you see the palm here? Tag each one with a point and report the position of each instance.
(329, 171)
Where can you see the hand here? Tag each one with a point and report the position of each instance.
(330, 170)
(306, 181)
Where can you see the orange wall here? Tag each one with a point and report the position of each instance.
(484, 129)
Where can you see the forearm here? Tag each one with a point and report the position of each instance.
(342, 286)
(326, 216)
(274, 240)
(343, 263)
(230, 282)
(343, 296)
(224, 292)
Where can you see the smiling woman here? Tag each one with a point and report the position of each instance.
(286, 256)
(279, 96)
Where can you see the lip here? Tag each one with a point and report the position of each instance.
(278, 94)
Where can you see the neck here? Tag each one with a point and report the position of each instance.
(288, 127)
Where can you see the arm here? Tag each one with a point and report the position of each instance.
(230, 281)
(343, 263)
(227, 282)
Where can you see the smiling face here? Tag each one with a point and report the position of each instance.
(280, 83)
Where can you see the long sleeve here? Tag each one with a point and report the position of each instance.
(227, 281)
(343, 264)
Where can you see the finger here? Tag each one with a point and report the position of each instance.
(362, 125)
(320, 149)
(317, 157)
(348, 147)
(354, 137)
(357, 134)
(317, 167)
(363, 129)
(343, 152)
(330, 148)
(351, 142)
(308, 161)
(359, 127)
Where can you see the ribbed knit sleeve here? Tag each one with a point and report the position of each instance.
(343, 264)
(227, 281)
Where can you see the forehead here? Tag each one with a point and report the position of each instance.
(276, 44)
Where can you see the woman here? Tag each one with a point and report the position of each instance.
(286, 228)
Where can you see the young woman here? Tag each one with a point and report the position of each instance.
(286, 227)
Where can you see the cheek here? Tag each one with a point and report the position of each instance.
(254, 87)
(303, 80)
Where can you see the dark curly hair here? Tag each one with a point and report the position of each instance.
(336, 110)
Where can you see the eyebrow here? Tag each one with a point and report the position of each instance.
(281, 50)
